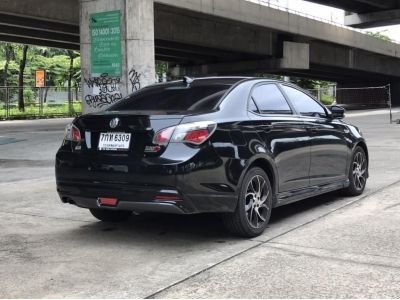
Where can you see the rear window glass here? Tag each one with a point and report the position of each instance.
(174, 97)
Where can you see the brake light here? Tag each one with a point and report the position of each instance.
(197, 136)
(193, 133)
(166, 198)
(72, 133)
(107, 201)
(162, 137)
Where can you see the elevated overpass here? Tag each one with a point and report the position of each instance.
(203, 37)
(53, 23)
(367, 13)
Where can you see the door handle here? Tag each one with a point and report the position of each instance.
(312, 129)
(266, 127)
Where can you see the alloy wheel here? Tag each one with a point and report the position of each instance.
(359, 170)
(256, 204)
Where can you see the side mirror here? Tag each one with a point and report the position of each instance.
(337, 112)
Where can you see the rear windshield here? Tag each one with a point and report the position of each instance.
(177, 97)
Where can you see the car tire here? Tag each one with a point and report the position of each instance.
(358, 173)
(254, 206)
(110, 215)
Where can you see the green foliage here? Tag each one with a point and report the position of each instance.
(305, 83)
(161, 67)
(379, 35)
(56, 62)
(326, 99)
(29, 96)
(309, 84)
(49, 110)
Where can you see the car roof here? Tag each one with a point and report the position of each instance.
(230, 80)
(215, 80)
(224, 79)
(236, 80)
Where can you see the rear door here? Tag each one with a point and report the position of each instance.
(284, 134)
(329, 150)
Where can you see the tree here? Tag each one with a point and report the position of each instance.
(9, 55)
(309, 84)
(72, 55)
(22, 65)
(379, 35)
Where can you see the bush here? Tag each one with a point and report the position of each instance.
(29, 96)
(327, 100)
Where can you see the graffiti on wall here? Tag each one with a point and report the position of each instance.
(134, 78)
(105, 91)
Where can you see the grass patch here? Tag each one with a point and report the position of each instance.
(48, 110)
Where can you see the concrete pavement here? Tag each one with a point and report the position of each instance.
(327, 246)
(351, 253)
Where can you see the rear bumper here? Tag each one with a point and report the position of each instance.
(143, 199)
(165, 207)
(141, 186)
(134, 198)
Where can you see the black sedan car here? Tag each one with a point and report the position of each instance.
(229, 145)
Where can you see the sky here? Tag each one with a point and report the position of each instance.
(330, 13)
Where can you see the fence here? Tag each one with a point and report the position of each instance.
(357, 97)
(326, 95)
(54, 101)
(39, 102)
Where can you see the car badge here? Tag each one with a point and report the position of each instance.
(114, 123)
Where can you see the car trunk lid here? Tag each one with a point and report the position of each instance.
(140, 125)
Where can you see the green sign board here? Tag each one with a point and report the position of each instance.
(106, 57)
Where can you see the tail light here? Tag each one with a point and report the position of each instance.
(107, 201)
(163, 136)
(72, 133)
(192, 133)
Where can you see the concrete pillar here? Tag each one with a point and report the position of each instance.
(105, 81)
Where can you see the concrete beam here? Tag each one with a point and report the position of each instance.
(295, 56)
(38, 32)
(181, 53)
(373, 19)
(326, 61)
(62, 11)
(337, 57)
(43, 25)
(38, 42)
(185, 26)
(387, 4)
(359, 6)
(229, 68)
(282, 21)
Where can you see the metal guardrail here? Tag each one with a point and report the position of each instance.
(306, 15)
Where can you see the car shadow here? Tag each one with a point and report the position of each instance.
(283, 212)
(181, 229)
(165, 228)
(152, 231)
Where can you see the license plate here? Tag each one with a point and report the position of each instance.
(114, 141)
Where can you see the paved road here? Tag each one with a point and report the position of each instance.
(327, 246)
